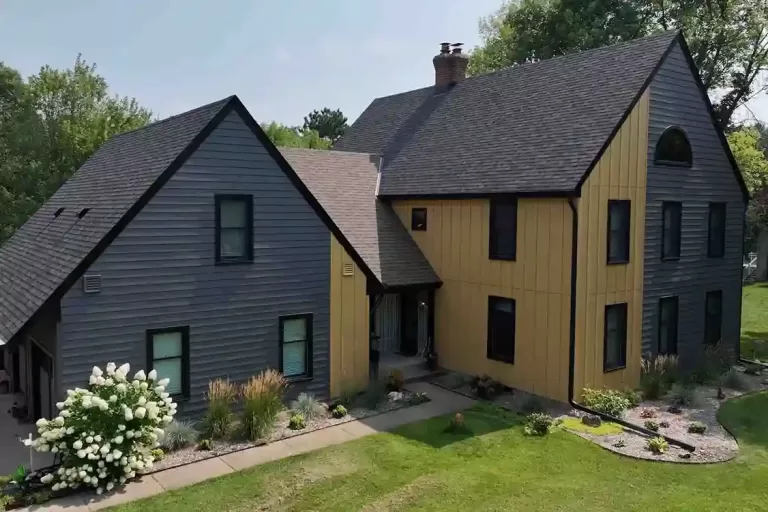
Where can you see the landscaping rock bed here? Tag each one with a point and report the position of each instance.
(281, 431)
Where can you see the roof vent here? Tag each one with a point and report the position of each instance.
(58, 212)
(83, 212)
(348, 269)
(91, 283)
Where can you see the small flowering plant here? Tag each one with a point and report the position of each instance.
(104, 435)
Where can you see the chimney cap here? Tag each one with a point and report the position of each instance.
(445, 47)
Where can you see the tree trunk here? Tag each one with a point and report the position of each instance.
(761, 273)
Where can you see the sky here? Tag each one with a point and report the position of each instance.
(283, 58)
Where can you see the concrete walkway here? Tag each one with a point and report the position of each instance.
(441, 402)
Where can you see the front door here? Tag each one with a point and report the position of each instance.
(409, 324)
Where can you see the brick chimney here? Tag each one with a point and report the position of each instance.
(450, 65)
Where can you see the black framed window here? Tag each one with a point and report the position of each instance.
(168, 354)
(615, 338)
(296, 346)
(713, 317)
(501, 329)
(716, 238)
(673, 148)
(418, 219)
(502, 243)
(672, 222)
(234, 228)
(618, 231)
(668, 315)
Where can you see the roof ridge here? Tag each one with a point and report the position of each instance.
(223, 102)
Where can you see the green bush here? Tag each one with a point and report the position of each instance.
(297, 422)
(158, 454)
(697, 428)
(734, 379)
(395, 380)
(5, 480)
(308, 406)
(532, 405)
(658, 445)
(218, 420)
(262, 400)
(205, 445)
(457, 425)
(664, 424)
(538, 424)
(683, 395)
(651, 425)
(656, 375)
(339, 411)
(634, 396)
(606, 401)
(714, 362)
(485, 387)
(178, 435)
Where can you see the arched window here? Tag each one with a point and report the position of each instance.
(673, 148)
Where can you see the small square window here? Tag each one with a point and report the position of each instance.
(618, 231)
(296, 346)
(668, 314)
(716, 239)
(615, 339)
(502, 243)
(672, 215)
(713, 317)
(234, 228)
(501, 329)
(168, 354)
(418, 219)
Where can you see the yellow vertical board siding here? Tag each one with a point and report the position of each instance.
(349, 324)
(456, 245)
(620, 174)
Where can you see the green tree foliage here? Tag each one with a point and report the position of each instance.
(294, 137)
(728, 38)
(747, 145)
(330, 124)
(49, 125)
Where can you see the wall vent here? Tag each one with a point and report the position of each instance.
(348, 269)
(91, 283)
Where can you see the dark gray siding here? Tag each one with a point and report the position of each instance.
(676, 100)
(160, 272)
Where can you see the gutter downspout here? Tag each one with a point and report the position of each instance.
(572, 348)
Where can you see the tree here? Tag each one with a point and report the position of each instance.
(294, 137)
(746, 147)
(728, 38)
(330, 124)
(49, 125)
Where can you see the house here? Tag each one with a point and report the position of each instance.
(546, 225)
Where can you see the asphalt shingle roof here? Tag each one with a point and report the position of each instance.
(345, 185)
(530, 128)
(43, 253)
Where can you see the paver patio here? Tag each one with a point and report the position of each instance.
(441, 402)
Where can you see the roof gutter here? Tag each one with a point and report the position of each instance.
(572, 348)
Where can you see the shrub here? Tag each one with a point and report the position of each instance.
(620, 443)
(683, 395)
(658, 445)
(664, 424)
(714, 362)
(178, 435)
(158, 454)
(634, 397)
(395, 380)
(262, 401)
(651, 425)
(339, 411)
(485, 387)
(656, 375)
(205, 445)
(297, 422)
(538, 424)
(734, 379)
(218, 419)
(648, 413)
(697, 428)
(104, 434)
(457, 425)
(606, 401)
(308, 406)
(532, 405)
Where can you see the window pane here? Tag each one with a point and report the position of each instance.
(615, 336)
(233, 213)
(233, 243)
(671, 229)
(501, 329)
(419, 219)
(618, 231)
(294, 329)
(167, 344)
(716, 229)
(294, 359)
(170, 369)
(668, 325)
(673, 146)
(503, 242)
(714, 317)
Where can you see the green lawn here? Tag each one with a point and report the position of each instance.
(754, 321)
(419, 467)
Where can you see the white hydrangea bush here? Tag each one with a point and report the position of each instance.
(104, 435)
